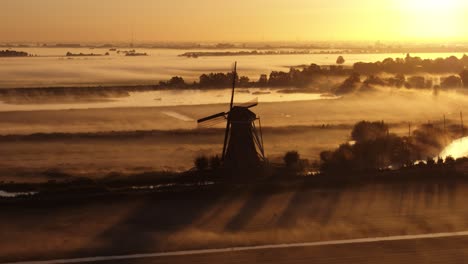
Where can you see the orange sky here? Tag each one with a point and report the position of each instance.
(240, 20)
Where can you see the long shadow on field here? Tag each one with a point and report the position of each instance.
(147, 226)
(210, 218)
(415, 198)
(315, 205)
(255, 201)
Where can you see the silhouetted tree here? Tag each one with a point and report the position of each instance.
(201, 163)
(174, 82)
(279, 78)
(215, 162)
(416, 82)
(365, 131)
(339, 160)
(451, 82)
(378, 153)
(216, 80)
(397, 81)
(263, 81)
(449, 160)
(428, 140)
(244, 81)
(340, 60)
(464, 76)
(372, 81)
(291, 159)
(13, 53)
(367, 68)
(411, 65)
(350, 84)
(440, 161)
(430, 161)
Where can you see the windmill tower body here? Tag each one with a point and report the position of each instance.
(244, 149)
(243, 143)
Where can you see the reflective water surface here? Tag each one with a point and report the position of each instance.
(175, 98)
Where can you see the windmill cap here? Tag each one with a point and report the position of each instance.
(241, 114)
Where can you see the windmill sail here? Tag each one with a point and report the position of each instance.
(228, 124)
(222, 114)
(249, 104)
(212, 122)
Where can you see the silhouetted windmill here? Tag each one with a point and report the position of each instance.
(243, 143)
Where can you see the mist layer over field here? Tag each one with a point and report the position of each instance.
(52, 68)
(94, 97)
(95, 142)
(389, 105)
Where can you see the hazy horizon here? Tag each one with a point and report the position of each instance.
(242, 21)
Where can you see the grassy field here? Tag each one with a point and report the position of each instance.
(392, 106)
(29, 158)
(440, 250)
(244, 216)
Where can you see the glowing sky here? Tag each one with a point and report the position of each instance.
(240, 20)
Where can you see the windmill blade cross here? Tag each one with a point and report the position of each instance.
(234, 76)
(212, 122)
(228, 123)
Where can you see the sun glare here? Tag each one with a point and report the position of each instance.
(432, 19)
(457, 149)
(433, 5)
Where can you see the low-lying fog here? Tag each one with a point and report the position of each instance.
(390, 105)
(306, 126)
(52, 68)
(167, 98)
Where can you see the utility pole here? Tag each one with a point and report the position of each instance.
(409, 129)
(445, 125)
(461, 122)
(445, 131)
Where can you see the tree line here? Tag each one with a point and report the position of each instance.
(374, 147)
(412, 65)
(296, 77)
(408, 72)
(13, 53)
